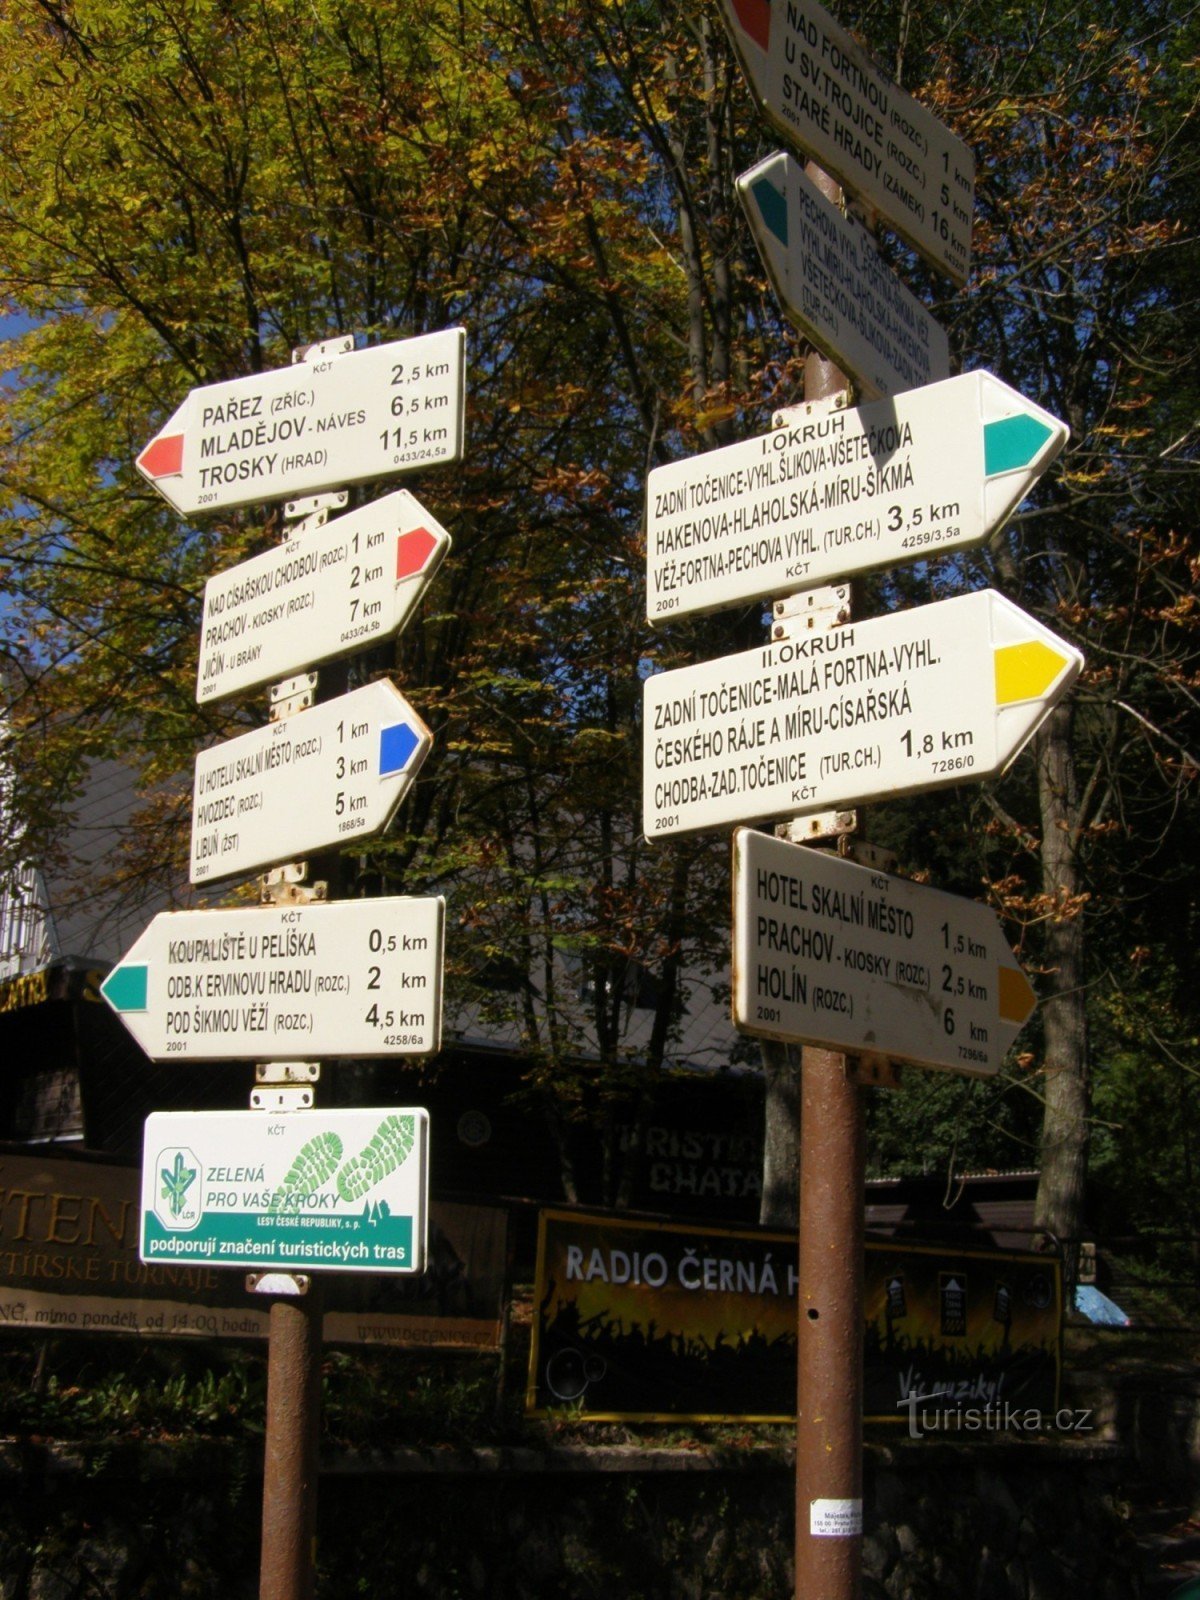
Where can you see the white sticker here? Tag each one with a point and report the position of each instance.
(835, 1519)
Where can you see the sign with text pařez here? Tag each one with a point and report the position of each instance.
(358, 978)
(321, 595)
(940, 468)
(650, 1322)
(69, 1265)
(320, 424)
(326, 776)
(834, 285)
(823, 92)
(827, 952)
(287, 1191)
(945, 694)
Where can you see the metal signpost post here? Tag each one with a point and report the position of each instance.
(291, 1195)
(835, 286)
(944, 694)
(841, 493)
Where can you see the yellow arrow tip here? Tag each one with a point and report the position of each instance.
(1025, 671)
(1016, 1000)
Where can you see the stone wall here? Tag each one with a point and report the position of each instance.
(982, 1522)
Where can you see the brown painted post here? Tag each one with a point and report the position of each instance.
(829, 1297)
(290, 1461)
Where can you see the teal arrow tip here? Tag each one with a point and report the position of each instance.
(126, 988)
(1013, 442)
(773, 207)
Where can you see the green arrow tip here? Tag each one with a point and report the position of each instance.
(773, 208)
(1013, 442)
(126, 988)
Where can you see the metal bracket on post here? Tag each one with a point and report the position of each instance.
(288, 886)
(287, 1072)
(292, 695)
(289, 1283)
(789, 416)
(279, 1097)
(877, 1072)
(312, 511)
(323, 349)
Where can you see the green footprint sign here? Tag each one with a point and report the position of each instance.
(298, 1191)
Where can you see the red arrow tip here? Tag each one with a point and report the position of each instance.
(163, 457)
(413, 550)
(755, 19)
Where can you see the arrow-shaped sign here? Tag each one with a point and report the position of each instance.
(836, 287)
(944, 694)
(323, 594)
(842, 492)
(329, 775)
(822, 92)
(827, 952)
(356, 978)
(321, 424)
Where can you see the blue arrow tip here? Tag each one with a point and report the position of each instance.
(396, 745)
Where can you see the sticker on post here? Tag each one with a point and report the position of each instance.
(835, 1519)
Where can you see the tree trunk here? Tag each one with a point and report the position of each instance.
(779, 1207)
(1064, 1145)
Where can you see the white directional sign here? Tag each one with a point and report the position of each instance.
(842, 492)
(354, 978)
(826, 952)
(320, 424)
(329, 775)
(823, 92)
(836, 287)
(310, 1191)
(322, 594)
(945, 694)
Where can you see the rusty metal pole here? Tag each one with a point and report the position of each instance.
(289, 1518)
(829, 1298)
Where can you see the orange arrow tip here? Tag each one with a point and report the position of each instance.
(1016, 1001)
(163, 457)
